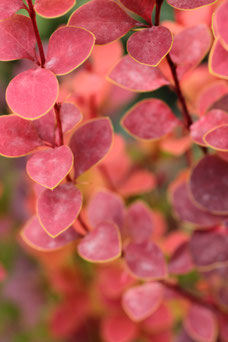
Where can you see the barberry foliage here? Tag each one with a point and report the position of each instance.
(121, 118)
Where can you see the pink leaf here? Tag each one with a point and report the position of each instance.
(188, 211)
(53, 8)
(35, 236)
(218, 60)
(32, 93)
(58, 209)
(208, 184)
(181, 260)
(190, 4)
(18, 136)
(150, 46)
(149, 119)
(141, 301)
(217, 138)
(201, 324)
(90, 143)
(17, 39)
(8, 8)
(70, 116)
(160, 320)
(139, 223)
(134, 76)
(103, 244)
(68, 48)
(145, 260)
(117, 327)
(106, 206)
(50, 167)
(45, 127)
(220, 22)
(144, 8)
(212, 119)
(209, 249)
(109, 23)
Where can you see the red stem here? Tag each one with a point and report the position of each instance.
(59, 123)
(32, 15)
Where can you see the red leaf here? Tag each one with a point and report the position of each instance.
(134, 76)
(150, 46)
(50, 167)
(68, 48)
(141, 301)
(109, 23)
(190, 46)
(218, 60)
(221, 103)
(212, 119)
(217, 138)
(139, 223)
(220, 22)
(209, 249)
(201, 324)
(17, 39)
(144, 8)
(58, 209)
(208, 184)
(45, 127)
(190, 4)
(118, 328)
(137, 182)
(187, 210)
(53, 8)
(149, 119)
(18, 136)
(70, 116)
(145, 260)
(103, 244)
(162, 319)
(90, 143)
(181, 260)
(105, 206)
(34, 235)
(8, 8)
(32, 93)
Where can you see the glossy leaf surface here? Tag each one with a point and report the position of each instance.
(134, 76)
(17, 39)
(110, 22)
(145, 260)
(208, 184)
(102, 244)
(139, 223)
(141, 301)
(18, 136)
(58, 209)
(90, 143)
(143, 8)
(212, 119)
(149, 120)
(53, 8)
(32, 93)
(51, 166)
(201, 324)
(35, 236)
(68, 48)
(150, 46)
(105, 206)
(190, 4)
